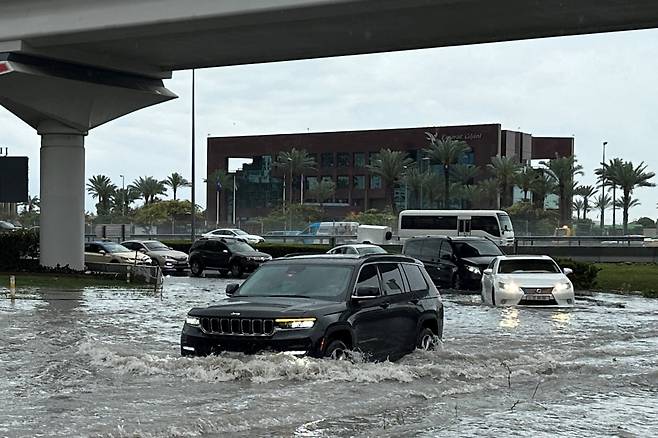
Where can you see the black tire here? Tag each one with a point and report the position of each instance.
(196, 268)
(427, 340)
(336, 350)
(236, 270)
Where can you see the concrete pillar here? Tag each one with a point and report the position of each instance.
(62, 195)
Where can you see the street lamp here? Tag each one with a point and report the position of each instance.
(123, 196)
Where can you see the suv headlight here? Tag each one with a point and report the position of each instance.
(473, 269)
(192, 320)
(294, 323)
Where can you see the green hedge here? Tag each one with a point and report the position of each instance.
(584, 274)
(18, 249)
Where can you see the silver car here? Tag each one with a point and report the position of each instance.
(168, 259)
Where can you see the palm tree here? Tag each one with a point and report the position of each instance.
(390, 166)
(123, 198)
(322, 190)
(464, 173)
(578, 205)
(415, 181)
(629, 177)
(543, 185)
(32, 203)
(294, 162)
(586, 192)
(488, 193)
(148, 188)
(604, 179)
(175, 181)
(564, 170)
(447, 152)
(504, 170)
(100, 187)
(602, 202)
(525, 180)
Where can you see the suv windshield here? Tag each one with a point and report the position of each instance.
(237, 246)
(114, 247)
(298, 280)
(527, 265)
(476, 248)
(156, 246)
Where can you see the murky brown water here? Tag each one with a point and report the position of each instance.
(100, 362)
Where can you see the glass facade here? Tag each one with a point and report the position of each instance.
(256, 187)
(359, 182)
(343, 159)
(359, 159)
(342, 182)
(327, 159)
(375, 182)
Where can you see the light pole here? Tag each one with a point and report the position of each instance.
(603, 177)
(234, 200)
(123, 196)
(193, 156)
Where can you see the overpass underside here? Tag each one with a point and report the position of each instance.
(67, 67)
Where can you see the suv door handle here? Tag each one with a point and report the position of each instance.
(385, 304)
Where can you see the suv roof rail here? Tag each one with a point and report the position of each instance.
(296, 254)
(387, 257)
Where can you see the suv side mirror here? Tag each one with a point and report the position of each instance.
(102, 252)
(231, 288)
(225, 251)
(367, 292)
(142, 250)
(567, 271)
(488, 271)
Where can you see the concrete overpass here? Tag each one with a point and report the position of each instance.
(71, 65)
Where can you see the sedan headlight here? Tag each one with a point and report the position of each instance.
(294, 323)
(192, 320)
(473, 269)
(563, 287)
(508, 287)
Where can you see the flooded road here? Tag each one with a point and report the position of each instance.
(100, 362)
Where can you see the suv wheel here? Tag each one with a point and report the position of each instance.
(196, 268)
(236, 270)
(336, 350)
(427, 340)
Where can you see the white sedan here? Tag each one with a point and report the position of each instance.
(359, 248)
(235, 233)
(526, 281)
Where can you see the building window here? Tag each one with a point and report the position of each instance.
(327, 159)
(359, 182)
(372, 156)
(359, 159)
(342, 182)
(311, 181)
(375, 182)
(342, 159)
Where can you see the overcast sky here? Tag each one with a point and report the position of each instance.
(595, 87)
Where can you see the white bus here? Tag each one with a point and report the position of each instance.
(492, 224)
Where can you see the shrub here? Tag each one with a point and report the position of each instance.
(584, 274)
(18, 248)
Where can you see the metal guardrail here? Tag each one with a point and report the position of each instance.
(590, 241)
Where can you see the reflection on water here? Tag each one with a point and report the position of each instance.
(99, 362)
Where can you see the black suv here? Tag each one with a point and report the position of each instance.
(225, 255)
(323, 306)
(453, 262)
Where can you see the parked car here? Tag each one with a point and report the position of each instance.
(323, 306)
(168, 259)
(235, 233)
(526, 281)
(453, 262)
(225, 255)
(111, 252)
(7, 227)
(357, 249)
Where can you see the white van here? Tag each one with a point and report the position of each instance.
(492, 224)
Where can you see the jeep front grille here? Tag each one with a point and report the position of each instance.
(237, 326)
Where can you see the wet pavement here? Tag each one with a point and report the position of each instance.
(103, 362)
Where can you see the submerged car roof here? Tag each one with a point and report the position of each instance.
(350, 259)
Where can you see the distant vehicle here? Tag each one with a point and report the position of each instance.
(234, 232)
(453, 262)
(225, 255)
(526, 281)
(341, 230)
(376, 234)
(6, 227)
(282, 233)
(492, 224)
(323, 306)
(111, 252)
(167, 258)
(357, 248)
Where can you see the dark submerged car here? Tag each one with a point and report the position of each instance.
(225, 255)
(323, 306)
(453, 262)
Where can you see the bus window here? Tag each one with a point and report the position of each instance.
(488, 224)
(429, 222)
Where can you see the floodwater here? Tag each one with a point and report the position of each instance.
(101, 362)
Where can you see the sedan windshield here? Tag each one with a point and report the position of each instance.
(476, 248)
(298, 280)
(522, 266)
(239, 232)
(371, 250)
(156, 246)
(114, 247)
